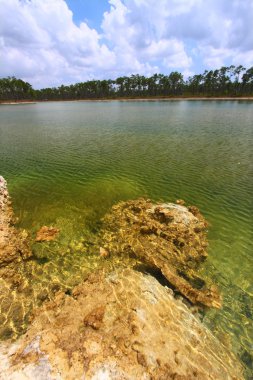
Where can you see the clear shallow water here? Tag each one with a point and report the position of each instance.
(67, 163)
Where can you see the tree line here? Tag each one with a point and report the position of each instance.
(226, 81)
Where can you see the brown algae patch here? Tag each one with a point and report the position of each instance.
(47, 233)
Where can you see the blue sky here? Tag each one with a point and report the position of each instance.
(53, 42)
(90, 11)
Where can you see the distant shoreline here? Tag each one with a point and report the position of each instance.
(17, 103)
(151, 99)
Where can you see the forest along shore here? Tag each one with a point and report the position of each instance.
(232, 81)
(116, 323)
(17, 102)
(156, 99)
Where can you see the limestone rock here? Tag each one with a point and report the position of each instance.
(47, 233)
(103, 252)
(14, 251)
(122, 325)
(13, 243)
(168, 237)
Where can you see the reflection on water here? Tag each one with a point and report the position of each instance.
(67, 163)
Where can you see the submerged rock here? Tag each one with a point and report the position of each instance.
(122, 325)
(13, 243)
(168, 237)
(103, 252)
(47, 233)
(14, 250)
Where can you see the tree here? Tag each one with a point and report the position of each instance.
(176, 80)
(227, 81)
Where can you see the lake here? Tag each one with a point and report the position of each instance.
(67, 163)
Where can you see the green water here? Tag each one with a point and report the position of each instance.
(67, 163)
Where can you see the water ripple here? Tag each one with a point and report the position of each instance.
(75, 160)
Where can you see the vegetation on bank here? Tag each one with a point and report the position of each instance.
(227, 81)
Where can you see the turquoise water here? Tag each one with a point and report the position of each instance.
(67, 162)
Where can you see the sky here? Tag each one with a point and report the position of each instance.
(52, 42)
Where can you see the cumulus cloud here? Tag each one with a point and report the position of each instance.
(219, 30)
(40, 42)
(137, 27)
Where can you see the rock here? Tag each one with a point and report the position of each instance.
(103, 252)
(13, 243)
(180, 202)
(95, 318)
(43, 295)
(116, 325)
(47, 233)
(122, 325)
(14, 252)
(167, 237)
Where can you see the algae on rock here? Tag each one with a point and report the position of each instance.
(119, 325)
(168, 237)
(13, 243)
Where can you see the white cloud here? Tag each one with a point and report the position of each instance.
(225, 32)
(40, 43)
(136, 28)
(165, 32)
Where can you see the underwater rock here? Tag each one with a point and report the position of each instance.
(103, 252)
(122, 325)
(119, 324)
(47, 234)
(14, 252)
(168, 237)
(13, 243)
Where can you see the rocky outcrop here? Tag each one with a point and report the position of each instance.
(14, 250)
(119, 323)
(122, 325)
(168, 237)
(13, 243)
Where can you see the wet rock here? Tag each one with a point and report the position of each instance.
(168, 237)
(103, 252)
(55, 287)
(43, 295)
(95, 318)
(47, 234)
(119, 325)
(122, 325)
(14, 251)
(17, 314)
(6, 332)
(13, 243)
